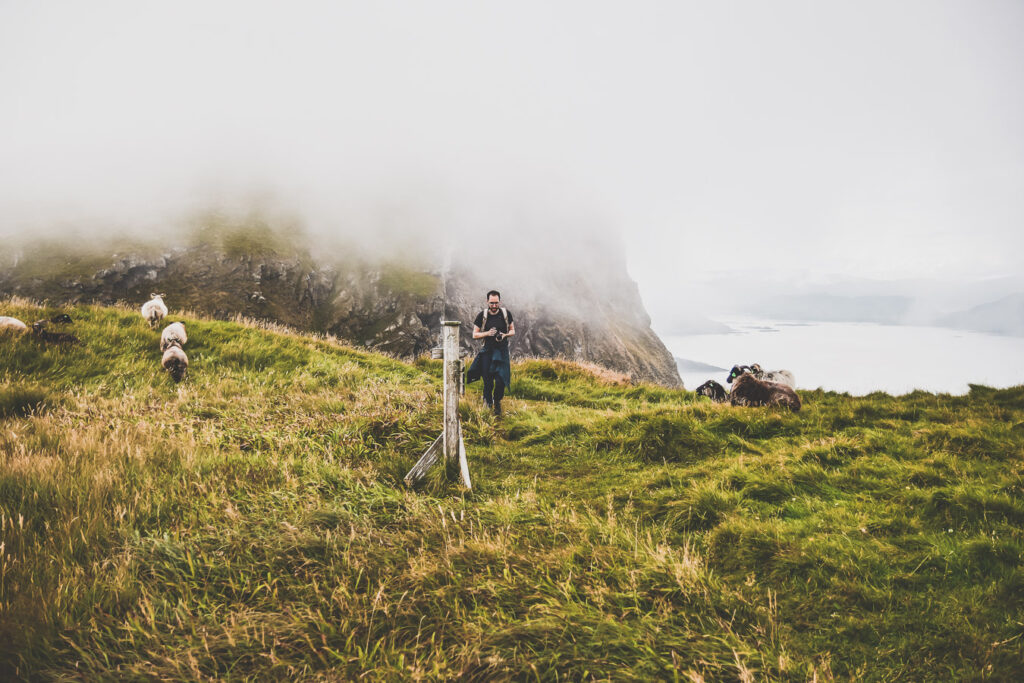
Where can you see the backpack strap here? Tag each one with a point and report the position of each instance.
(483, 317)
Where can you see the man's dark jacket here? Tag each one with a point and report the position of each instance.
(495, 361)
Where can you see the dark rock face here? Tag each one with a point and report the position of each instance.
(571, 319)
(385, 307)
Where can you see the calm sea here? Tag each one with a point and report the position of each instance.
(858, 357)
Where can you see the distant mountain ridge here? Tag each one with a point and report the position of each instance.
(687, 365)
(1005, 316)
(984, 304)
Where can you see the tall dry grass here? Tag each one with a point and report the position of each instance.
(251, 522)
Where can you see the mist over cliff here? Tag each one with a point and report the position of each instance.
(565, 281)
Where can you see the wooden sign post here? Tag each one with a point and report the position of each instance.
(450, 440)
(452, 370)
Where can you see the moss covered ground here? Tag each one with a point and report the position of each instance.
(251, 522)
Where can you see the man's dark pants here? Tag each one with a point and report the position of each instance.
(494, 388)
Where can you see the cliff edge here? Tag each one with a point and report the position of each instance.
(389, 306)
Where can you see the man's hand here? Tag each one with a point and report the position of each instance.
(493, 331)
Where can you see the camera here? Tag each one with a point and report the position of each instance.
(499, 336)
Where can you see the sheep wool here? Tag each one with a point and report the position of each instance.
(44, 335)
(173, 335)
(713, 390)
(781, 376)
(9, 324)
(747, 390)
(154, 310)
(175, 362)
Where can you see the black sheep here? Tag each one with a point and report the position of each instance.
(714, 391)
(39, 330)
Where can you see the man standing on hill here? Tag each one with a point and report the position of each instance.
(494, 325)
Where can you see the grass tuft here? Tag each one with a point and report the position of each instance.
(19, 399)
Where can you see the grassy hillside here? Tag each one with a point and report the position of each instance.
(251, 522)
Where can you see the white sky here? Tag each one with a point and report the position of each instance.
(868, 139)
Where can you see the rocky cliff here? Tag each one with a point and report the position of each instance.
(386, 306)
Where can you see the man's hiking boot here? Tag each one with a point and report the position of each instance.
(497, 408)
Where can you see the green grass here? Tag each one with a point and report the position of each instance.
(75, 257)
(249, 234)
(18, 399)
(401, 279)
(251, 522)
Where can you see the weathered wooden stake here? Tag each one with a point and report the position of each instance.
(452, 370)
(463, 463)
(429, 457)
(450, 441)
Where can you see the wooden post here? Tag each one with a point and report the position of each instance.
(450, 441)
(452, 370)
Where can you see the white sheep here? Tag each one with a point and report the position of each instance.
(175, 362)
(9, 324)
(154, 310)
(173, 335)
(778, 376)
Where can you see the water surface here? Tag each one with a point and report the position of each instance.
(858, 357)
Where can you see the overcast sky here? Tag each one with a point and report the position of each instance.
(857, 139)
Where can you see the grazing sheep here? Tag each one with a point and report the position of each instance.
(779, 376)
(154, 310)
(9, 324)
(714, 391)
(41, 333)
(173, 334)
(747, 390)
(175, 362)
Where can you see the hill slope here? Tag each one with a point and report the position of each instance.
(578, 311)
(251, 522)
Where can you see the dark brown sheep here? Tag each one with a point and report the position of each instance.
(42, 334)
(747, 390)
(713, 390)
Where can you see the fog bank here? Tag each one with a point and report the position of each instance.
(877, 141)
